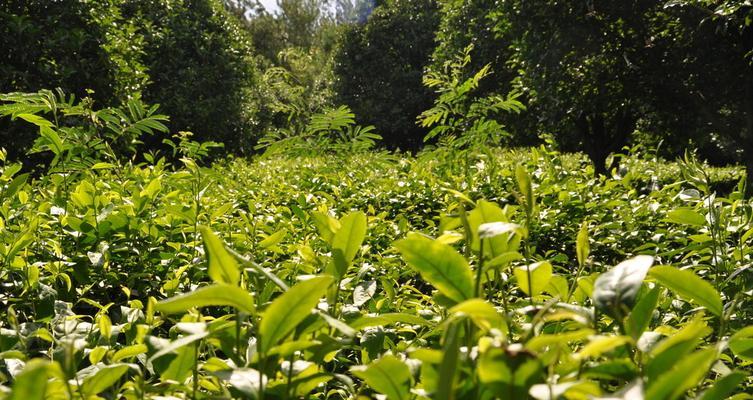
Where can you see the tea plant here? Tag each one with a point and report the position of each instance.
(363, 274)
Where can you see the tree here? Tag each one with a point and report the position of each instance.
(586, 63)
(67, 44)
(718, 59)
(201, 69)
(379, 67)
(485, 26)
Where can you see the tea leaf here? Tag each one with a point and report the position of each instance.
(640, 317)
(222, 266)
(618, 287)
(289, 309)
(686, 216)
(104, 378)
(388, 376)
(346, 242)
(687, 372)
(540, 273)
(31, 383)
(741, 343)
(219, 294)
(689, 286)
(439, 264)
(582, 247)
(722, 388)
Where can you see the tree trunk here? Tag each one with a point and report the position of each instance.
(600, 141)
(747, 136)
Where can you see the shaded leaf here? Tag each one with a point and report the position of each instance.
(388, 376)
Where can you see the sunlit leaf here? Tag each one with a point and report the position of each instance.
(289, 309)
(439, 264)
(222, 266)
(219, 294)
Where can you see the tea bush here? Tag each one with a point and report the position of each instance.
(473, 274)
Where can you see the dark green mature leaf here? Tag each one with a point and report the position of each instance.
(689, 286)
(219, 294)
(439, 264)
(509, 374)
(288, 310)
(31, 383)
(619, 286)
(388, 376)
(222, 266)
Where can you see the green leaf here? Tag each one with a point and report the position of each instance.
(326, 225)
(640, 317)
(222, 266)
(480, 312)
(244, 380)
(686, 373)
(346, 241)
(36, 120)
(439, 264)
(509, 374)
(219, 294)
(617, 288)
(493, 229)
(666, 353)
(600, 345)
(103, 379)
(388, 376)
(273, 239)
(540, 273)
(449, 365)
(31, 383)
(689, 286)
(15, 185)
(582, 248)
(177, 367)
(289, 309)
(485, 213)
(525, 187)
(741, 343)
(686, 216)
(387, 319)
(129, 351)
(724, 386)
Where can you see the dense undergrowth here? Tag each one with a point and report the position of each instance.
(451, 274)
